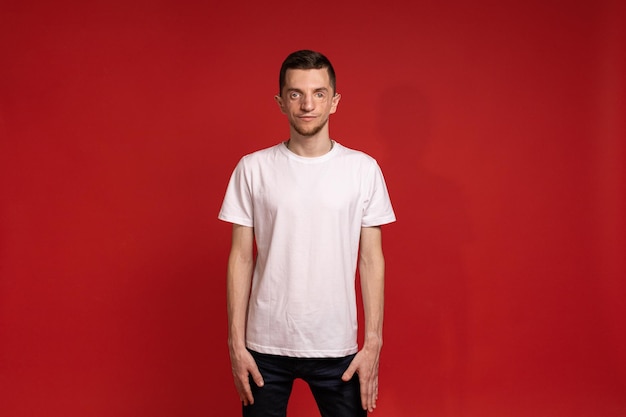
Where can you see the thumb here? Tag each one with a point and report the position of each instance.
(347, 376)
(256, 376)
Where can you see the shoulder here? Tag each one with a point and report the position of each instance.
(261, 156)
(356, 157)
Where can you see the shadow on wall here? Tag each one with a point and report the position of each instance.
(426, 314)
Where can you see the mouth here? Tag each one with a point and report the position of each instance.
(306, 118)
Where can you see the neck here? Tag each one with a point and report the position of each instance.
(309, 147)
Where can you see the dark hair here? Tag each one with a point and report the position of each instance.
(305, 59)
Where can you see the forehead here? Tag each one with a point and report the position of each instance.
(304, 79)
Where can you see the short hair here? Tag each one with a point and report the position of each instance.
(306, 59)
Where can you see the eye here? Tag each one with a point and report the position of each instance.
(320, 95)
(294, 95)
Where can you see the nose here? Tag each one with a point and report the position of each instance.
(306, 103)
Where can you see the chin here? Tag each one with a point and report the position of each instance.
(312, 131)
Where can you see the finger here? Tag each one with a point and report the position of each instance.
(364, 398)
(365, 392)
(370, 397)
(245, 393)
(372, 401)
(370, 404)
(374, 395)
(369, 393)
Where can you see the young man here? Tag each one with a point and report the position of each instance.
(314, 208)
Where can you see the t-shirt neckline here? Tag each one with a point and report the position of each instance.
(309, 160)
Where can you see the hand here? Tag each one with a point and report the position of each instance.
(365, 365)
(244, 365)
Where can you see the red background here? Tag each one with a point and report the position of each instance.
(500, 129)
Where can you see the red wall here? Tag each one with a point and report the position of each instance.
(500, 129)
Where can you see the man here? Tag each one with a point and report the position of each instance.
(313, 207)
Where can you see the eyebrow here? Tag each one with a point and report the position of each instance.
(297, 90)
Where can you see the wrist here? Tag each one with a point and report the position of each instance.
(236, 344)
(373, 341)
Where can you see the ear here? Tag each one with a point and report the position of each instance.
(280, 102)
(335, 103)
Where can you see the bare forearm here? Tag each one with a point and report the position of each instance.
(372, 289)
(372, 273)
(238, 289)
(239, 278)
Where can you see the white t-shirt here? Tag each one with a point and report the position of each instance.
(307, 215)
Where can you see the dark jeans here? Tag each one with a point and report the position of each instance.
(334, 397)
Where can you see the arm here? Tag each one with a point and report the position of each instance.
(239, 279)
(372, 273)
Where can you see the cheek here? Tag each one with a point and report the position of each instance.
(288, 108)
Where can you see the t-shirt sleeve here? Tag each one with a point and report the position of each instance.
(237, 206)
(377, 208)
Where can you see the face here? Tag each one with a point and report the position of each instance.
(308, 100)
